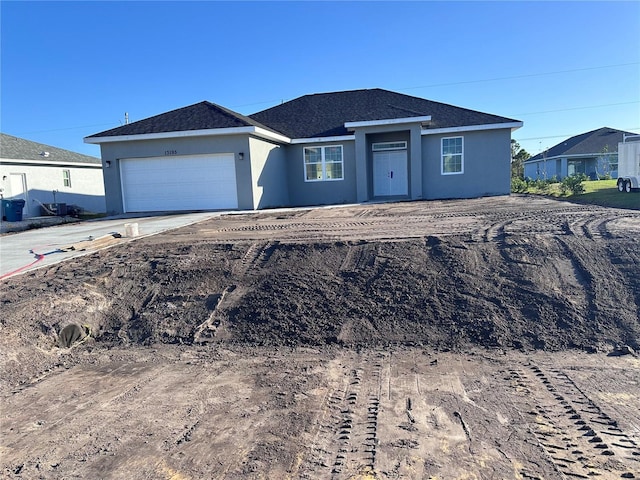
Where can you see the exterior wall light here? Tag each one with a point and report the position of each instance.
(107, 164)
(241, 156)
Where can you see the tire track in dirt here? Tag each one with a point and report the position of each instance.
(355, 406)
(622, 445)
(256, 256)
(611, 287)
(319, 225)
(625, 410)
(84, 415)
(570, 427)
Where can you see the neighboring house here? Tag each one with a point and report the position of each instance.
(330, 148)
(41, 174)
(594, 154)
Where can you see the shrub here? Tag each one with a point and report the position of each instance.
(541, 185)
(519, 185)
(573, 184)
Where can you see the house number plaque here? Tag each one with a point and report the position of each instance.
(170, 152)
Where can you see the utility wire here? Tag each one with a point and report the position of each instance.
(66, 128)
(430, 86)
(569, 135)
(465, 82)
(528, 75)
(511, 115)
(574, 108)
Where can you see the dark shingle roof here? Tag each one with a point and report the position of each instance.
(200, 116)
(589, 143)
(20, 149)
(318, 115)
(324, 114)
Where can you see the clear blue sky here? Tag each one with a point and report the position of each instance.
(72, 69)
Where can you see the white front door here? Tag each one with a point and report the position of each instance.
(390, 173)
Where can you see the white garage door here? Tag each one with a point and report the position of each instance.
(179, 183)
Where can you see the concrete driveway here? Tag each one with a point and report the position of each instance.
(31, 249)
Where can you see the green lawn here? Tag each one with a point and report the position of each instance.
(598, 192)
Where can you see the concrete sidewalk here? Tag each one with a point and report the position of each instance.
(31, 249)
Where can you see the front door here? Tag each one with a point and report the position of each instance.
(390, 173)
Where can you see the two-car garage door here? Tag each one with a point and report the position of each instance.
(199, 182)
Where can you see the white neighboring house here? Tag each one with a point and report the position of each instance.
(43, 175)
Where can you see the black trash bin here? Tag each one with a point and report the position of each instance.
(12, 210)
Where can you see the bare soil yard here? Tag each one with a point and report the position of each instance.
(471, 339)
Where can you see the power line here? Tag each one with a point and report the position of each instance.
(569, 135)
(584, 107)
(430, 86)
(466, 82)
(66, 128)
(575, 108)
(528, 75)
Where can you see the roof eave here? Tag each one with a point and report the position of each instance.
(389, 121)
(473, 128)
(570, 155)
(209, 132)
(335, 138)
(49, 163)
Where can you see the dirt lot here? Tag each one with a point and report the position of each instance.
(470, 339)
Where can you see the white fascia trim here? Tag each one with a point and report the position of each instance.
(573, 155)
(268, 134)
(49, 163)
(340, 138)
(473, 128)
(212, 132)
(390, 121)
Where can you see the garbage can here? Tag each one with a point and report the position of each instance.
(12, 210)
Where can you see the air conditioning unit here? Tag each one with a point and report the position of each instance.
(54, 209)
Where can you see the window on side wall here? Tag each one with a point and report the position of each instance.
(66, 178)
(452, 156)
(323, 163)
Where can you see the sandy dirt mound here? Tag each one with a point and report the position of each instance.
(487, 338)
(499, 273)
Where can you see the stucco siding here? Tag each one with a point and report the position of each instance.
(546, 169)
(487, 160)
(114, 151)
(302, 193)
(268, 174)
(86, 190)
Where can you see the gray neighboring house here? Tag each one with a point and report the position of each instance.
(41, 174)
(328, 148)
(594, 154)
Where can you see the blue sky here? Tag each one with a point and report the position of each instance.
(72, 69)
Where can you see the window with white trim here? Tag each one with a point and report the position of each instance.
(66, 178)
(323, 163)
(452, 156)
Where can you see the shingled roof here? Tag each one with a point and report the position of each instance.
(324, 114)
(14, 148)
(590, 143)
(311, 116)
(200, 116)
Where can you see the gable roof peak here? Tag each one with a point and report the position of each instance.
(592, 142)
(203, 115)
